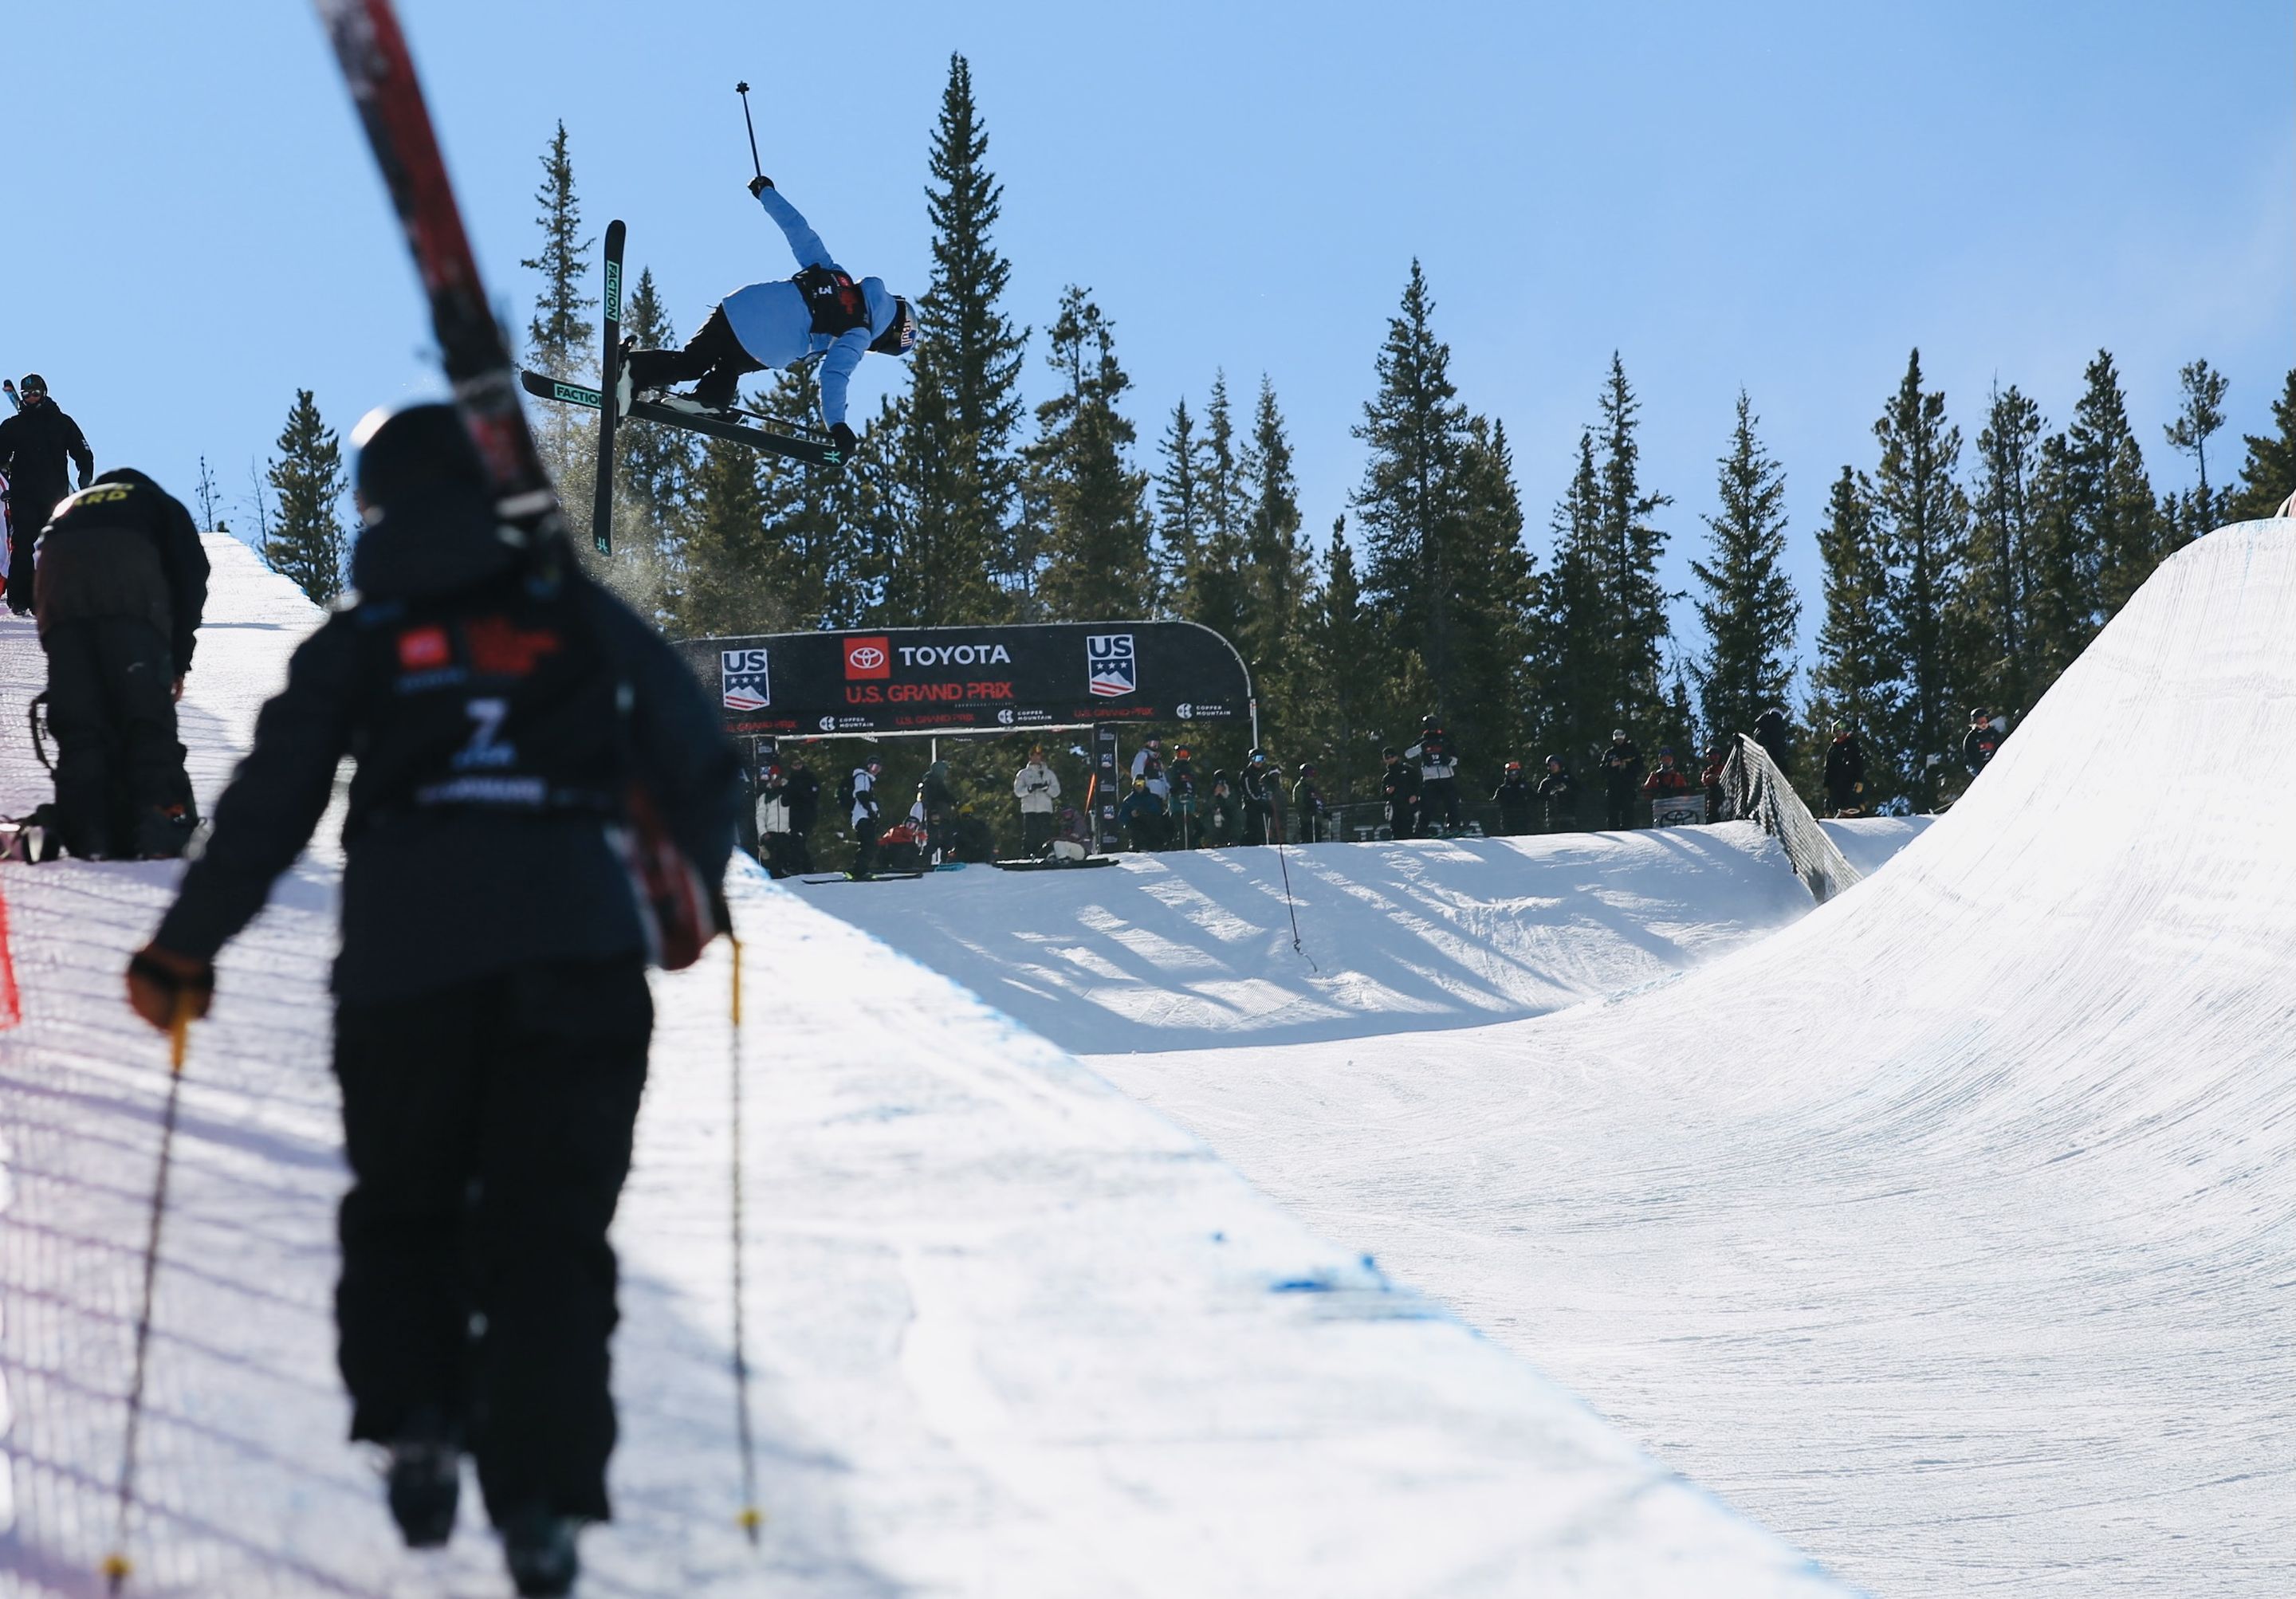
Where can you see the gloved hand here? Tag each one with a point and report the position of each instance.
(160, 983)
(842, 438)
(759, 185)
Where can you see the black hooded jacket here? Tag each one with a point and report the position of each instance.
(124, 546)
(34, 445)
(499, 722)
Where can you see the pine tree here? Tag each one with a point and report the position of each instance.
(1860, 665)
(1997, 599)
(2198, 421)
(1570, 647)
(1094, 523)
(560, 337)
(723, 591)
(305, 539)
(809, 562)
(655, 465)
(1353, 698)
(1409, 507)
(1749, 610)
(1630, 548)
(1277, 570)
(1493, 600)
(1215, 591)
(960, 467)
(1924, 520)
(2118, 507)
(2268, 476)
(1179, 506)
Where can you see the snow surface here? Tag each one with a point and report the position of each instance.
(1013, 1333)
(1952, 1230)
(1193, 950)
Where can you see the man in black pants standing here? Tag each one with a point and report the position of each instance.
(122, 583)
(543, 799)
(34, 445)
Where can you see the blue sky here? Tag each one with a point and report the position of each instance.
(1786, 197)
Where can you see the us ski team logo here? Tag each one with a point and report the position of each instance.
(742, 684)
(1113, 668)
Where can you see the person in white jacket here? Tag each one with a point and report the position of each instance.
(1036, 786)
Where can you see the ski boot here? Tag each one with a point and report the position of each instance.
(538, 1548)
(425, 1482)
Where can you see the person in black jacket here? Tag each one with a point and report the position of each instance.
(1978, 743)
(1308, 805)
(1774, 732)
(1399, 786)
(1845, 774)
(801, 792)
(1622, 777)
(122, 582)
(1516, 799)
(526, 749)
(1559, 791)
(1263, 800)
(1439, 776)
(34, 446)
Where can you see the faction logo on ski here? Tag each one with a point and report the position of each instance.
(1110, 664)
(742, 681)
(868, 657)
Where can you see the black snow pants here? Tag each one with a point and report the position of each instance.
(713, 361)
(1035, 831)
(488, 1128)
(1618, 807)
(30, 507)
(1439, 801)
(111, 712)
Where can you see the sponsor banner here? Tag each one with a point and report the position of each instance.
(1679, 810)
(954, 680)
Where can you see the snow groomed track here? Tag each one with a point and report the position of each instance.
(1015, 1334)
(1952, 1230)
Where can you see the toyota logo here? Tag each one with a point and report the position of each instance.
(868, 655)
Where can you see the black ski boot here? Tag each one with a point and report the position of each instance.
(538, 1547)
(426, 1482)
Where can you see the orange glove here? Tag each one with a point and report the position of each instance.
(162, 984)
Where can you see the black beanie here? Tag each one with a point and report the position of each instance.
(417, 449)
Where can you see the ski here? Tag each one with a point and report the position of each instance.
(1054, 866)
(818, 879)
(610, 368)
(812, 452)
(15, 400)
(377, 67)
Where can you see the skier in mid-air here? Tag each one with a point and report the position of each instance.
(822, 311)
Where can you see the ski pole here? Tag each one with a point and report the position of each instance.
(116, 1564)
(742, 89)
(750, 1517)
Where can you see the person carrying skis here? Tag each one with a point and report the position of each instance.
(528, 751)
(820, 312)
(121, 583)
(1036, 786)
(1622, 770)
(34, 444)
(1308, 805)
(1515, 801)
(1558, 792)
(1399, 787)
(1845, 774)
(1978, 743)
(860, 798)
(1439, 777)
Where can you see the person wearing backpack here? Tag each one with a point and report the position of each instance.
(543, 804)
(822, 311)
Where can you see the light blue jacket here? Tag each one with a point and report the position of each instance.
(774, 326)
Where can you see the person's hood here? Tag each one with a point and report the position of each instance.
(431, 541)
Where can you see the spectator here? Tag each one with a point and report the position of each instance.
(1718, 760)
(937, 793)
(1263, 788)
(860, 796)
(1558, 790)
(1517, 801)
(1399, 786)
(1439, 777)
(773, 830)
(1622, 772)
(1148, 762)
(1773, 733)
(1141, 815)
(1180, 777)
(1223, 822)
(1036, 786)
(1845, 774)
(1979, 743)
(34, 446)
(802, 794)
(1308, 805)
(1668, 780)
(122, 582)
